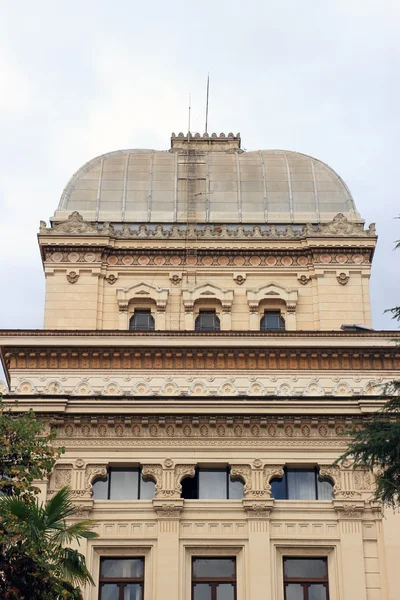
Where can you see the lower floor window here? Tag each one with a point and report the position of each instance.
(214, 579)
(305, 578)
(121, 579)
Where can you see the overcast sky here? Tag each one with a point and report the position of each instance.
(81, 78)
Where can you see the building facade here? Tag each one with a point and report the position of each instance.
(207, 343)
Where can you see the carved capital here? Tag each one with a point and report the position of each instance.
(258, 508)
(334, 474)
(271, 471)
(243, 472)
(349, 509)
(154, 472)
(168, 509)
(182, 471)
(91, 473)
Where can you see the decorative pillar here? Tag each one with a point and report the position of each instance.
(226, 324)
(254, 317)
(291, 316)
(350, 515)
(258, 505)
(160, 320)
(123, 315)
(189, 316)
(168, 505)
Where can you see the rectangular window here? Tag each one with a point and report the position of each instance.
(301, 484)
(123, 484)
(305, 578)
(214, 579)
(121, 579)
(212, 484)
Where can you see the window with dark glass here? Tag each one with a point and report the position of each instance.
(301, 484)
(212, 484)
(214, 579)
(121, 579)
(142, 320)
(207, 320)
(272, 321)
(123, 484)
(305, 579)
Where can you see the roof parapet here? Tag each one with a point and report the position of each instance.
(206, 142)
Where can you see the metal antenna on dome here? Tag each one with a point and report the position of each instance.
(208, 90)
(190, 108)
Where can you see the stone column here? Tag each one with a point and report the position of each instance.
(167, 562)
(168, 505)
(259, 557)
(352, 548)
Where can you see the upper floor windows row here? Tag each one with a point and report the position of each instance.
(207, 320)
(212, 484)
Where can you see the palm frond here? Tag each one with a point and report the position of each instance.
(26, 515)
(59, 508)
(81, 529)
(73, 566)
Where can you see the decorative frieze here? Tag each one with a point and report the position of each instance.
(222, 358)
(233, 258)
(166, 427)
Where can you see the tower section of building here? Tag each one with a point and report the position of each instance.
(207, 343)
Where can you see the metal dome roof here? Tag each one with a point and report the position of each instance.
(221, 185)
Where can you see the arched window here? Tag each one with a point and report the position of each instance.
(142, 320)
(212, 484)
(207, 320)
(272, 321)
(301, 484)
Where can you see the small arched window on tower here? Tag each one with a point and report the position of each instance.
(207, 320)
(142, 320)
(272, 321)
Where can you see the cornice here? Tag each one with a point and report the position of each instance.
(75, 225)
(290, 407)
(383, 334)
